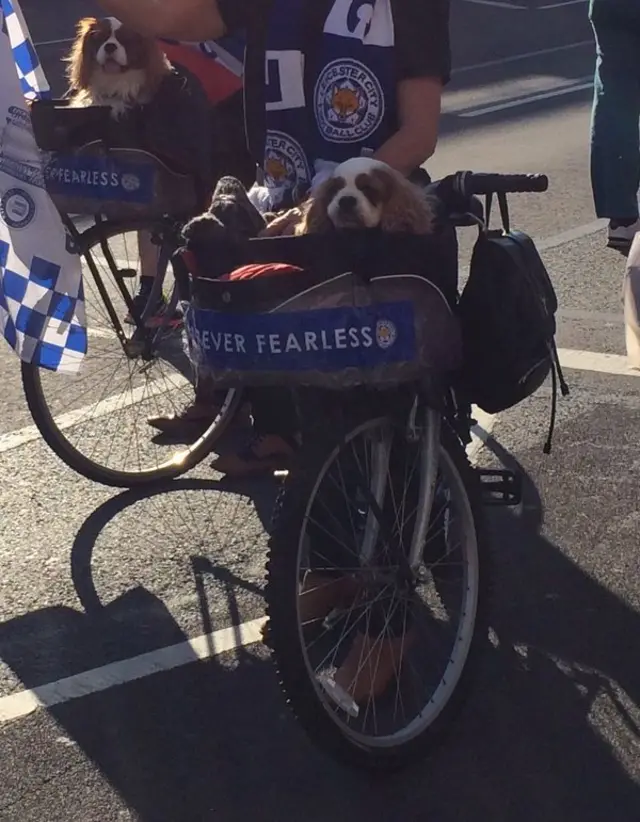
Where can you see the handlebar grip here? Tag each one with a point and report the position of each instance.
(480, 184)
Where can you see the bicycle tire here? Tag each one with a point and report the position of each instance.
(55, 438)
(284, 634)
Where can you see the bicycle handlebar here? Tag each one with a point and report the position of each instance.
(468, 183)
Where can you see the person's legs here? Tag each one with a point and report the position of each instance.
(615, 136)
(189, 423)
(149, 254)
(273, 443)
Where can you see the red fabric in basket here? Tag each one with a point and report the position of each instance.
(245, 272)
(250, 272)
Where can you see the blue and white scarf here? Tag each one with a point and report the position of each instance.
(347, 107)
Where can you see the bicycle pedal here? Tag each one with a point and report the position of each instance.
(127, 273)
(500, 487)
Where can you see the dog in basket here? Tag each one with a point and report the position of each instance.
(361, 193)
(231, 217)
(150, 99)
(111, 65)
(218, 235)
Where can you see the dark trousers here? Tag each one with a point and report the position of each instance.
(615, 136)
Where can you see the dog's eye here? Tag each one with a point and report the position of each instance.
(371, 193)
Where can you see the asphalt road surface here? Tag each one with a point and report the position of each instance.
(92, 578)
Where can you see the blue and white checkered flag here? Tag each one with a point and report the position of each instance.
(30, 73)
(42, 310)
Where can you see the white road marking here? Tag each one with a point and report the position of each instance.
(580, 85)
(101, 333)
(21, 704)
(102, 408)
(616, 364)
(565, 237)
(527, 55)
(62, 42)
(464, 102)
(607, 317)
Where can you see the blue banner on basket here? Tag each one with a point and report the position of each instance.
(100, 178)
(328, 339)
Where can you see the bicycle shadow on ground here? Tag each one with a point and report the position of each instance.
(214, 740)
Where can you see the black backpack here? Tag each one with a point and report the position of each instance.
(507, 312)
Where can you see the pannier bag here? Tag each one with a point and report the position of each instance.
(507, 313)
(301, 329)
(89, 171)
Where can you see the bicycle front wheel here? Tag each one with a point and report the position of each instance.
(374, 655)
(96, 420)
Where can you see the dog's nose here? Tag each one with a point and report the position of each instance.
(347, 203)
(110, 48)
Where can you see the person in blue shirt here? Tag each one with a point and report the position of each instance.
(615, 138)
(324, 81)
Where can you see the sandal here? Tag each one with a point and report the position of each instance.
(263, 454)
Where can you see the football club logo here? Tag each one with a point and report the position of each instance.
(285, 163)
(349, 102)
(17, 208)
(386, 333)
(130, 182)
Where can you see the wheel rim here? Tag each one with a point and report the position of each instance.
(399, 622)
(100, 413)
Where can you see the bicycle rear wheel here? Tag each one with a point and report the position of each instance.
(95, 420)
(340, 612)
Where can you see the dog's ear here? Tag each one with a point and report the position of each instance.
(79, 68)
(204, 229)
(382, 183)
(85, 25)
(406, 207)
(315, 216)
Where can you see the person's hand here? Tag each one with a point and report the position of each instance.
(284, 224)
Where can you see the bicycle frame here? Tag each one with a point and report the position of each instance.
(83, 242)
(429, 460)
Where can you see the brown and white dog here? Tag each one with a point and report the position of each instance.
(111, 65)
(366, 193)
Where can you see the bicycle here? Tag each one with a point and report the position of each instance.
(135, 368)
(378, 553)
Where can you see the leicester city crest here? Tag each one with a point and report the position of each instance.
(349, 102)
(386, 333)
